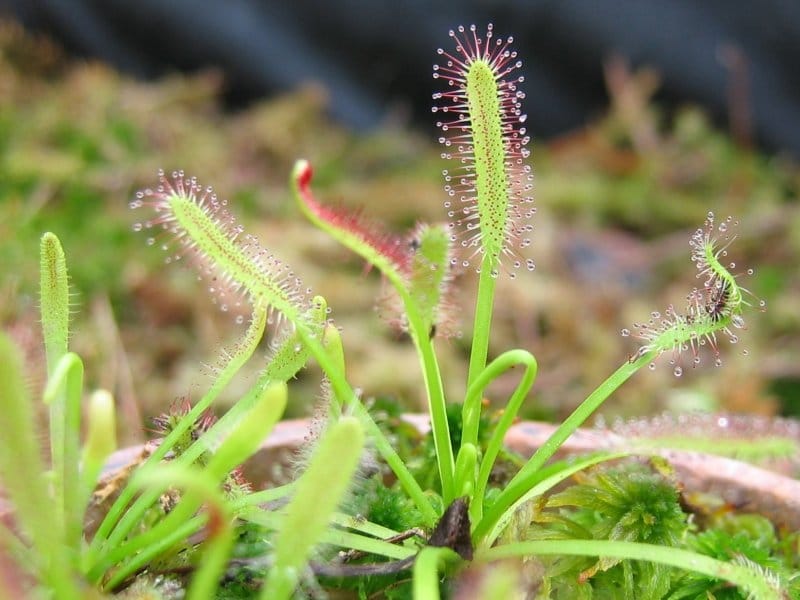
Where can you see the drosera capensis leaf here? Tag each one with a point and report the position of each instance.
(490, 190)
(430, 279)
(490, 203)
(64, 388)
(392, 257)
(53, 298)
(241, 268)
(316, 495)
(237, 266)
(388, 253)
(712, 310)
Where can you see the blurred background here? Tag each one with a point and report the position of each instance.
(644, 116)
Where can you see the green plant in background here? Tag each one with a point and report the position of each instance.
(615, 516)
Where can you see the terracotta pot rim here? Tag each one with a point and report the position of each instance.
(743, 486)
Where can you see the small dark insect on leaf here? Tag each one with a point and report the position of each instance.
(453, 529)
(718, 302)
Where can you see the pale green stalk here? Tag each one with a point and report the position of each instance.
(63, 394)
(501, 364)
(317, 493)
(747, 578)
(21, 471)
(426, 571)
(484, 303)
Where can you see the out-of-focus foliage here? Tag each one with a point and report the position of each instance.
(617, 201)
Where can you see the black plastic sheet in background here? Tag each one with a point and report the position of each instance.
(375, 58)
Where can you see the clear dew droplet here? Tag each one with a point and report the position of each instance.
(677, 371)
(625, 332)
(652, 366)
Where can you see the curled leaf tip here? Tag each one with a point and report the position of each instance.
(713, 310)
(303, 173)
(387, 252)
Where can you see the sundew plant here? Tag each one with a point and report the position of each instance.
(489, 203)
(463, 517)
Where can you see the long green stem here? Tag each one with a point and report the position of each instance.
(471, 421)
(499, 433)
(437, 409)
(345, 394)
(514, 490)
(483, 318)
(63, 395)
(426, 571)
(22, 471)
(749, 579)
